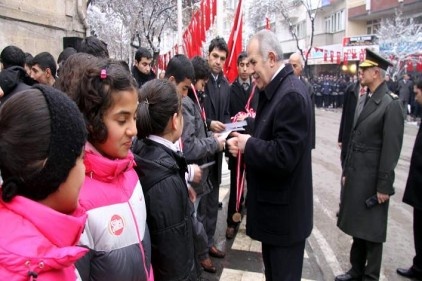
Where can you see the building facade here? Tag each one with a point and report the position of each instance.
(42, 25)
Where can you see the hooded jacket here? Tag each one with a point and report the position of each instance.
(12, 80)
(116, 232)
(38, 241)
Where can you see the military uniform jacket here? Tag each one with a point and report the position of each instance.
(278, 164)
(373, 152)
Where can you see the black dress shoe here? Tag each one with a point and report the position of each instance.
(345, 277)
(410, 273)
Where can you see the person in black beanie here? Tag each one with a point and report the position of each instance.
(12, 81)
(43, 172)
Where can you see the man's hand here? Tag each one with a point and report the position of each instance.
(241, 141)
(197, 173)
(232, 146)
(382, 197)
(237, 143)
(192, 194)
(217, 126)
(221, 140)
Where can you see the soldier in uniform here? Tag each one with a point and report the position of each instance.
(374, 150)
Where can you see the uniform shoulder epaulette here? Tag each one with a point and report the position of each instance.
(393, 95)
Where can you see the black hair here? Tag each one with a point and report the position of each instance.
(242, 56)
(45, 60)
(42, 134)
(28, 58)
(418, 84)
(142, 53)
(180, 67)
(201, 68)
(71, 72)
(94, 95)
(12, 56)
(218, 43)
(67, 52)
(157, 103)
(94, 46)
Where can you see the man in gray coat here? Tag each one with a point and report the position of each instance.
(374, 150)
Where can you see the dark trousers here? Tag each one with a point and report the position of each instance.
(365, 257)
(283, 263)
(231, 208)
(417, 236)
(208, 212)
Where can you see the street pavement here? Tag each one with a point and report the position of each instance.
(327, 249)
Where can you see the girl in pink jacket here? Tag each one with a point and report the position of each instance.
(42, 174)
(116, 233)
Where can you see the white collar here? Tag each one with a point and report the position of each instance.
(164, 142)
(278, 71)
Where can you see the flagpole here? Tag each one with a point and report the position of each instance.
(179, 26)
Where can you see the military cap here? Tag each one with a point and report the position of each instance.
(373, 59)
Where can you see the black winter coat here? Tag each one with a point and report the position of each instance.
(216, 105)
(413, 191)
(347, 117)
(162, 175)
(142, 78)
(278, 164)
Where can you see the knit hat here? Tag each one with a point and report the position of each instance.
(67, 139)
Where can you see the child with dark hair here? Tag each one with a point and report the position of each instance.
(199, 146)
(94, 46)
(141, 69)
(161, 169)
(116, 233)
(42, 135)
(63, 56)
(43, 68)
(72, 71)
(12, 56)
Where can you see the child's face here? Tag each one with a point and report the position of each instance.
(66, 197)
(120, 120)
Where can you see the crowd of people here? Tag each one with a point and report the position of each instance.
(110, 173)
(330, 91)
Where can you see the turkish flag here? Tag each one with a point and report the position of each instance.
(234, 44)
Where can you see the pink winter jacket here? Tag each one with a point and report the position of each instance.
(115, 232)
(35, 238)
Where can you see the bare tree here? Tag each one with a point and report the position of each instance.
(400, 38)
(140, 22)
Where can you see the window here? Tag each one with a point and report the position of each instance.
(299, 29)
(335, 22)
(372, 26)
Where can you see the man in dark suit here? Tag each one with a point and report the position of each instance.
(405, 91)
(216, 105)
(241, 96)
(296, 61)
(278, 161)
(372, 155)
(413, 197)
